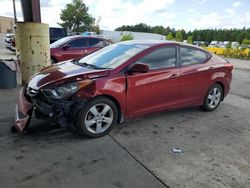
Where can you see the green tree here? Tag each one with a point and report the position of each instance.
(206, 35)
(159, 30)
(170, 36)
(245, 41)
(127, 37)
(190, 40)
(229, 45)
(96, 27)
(179, 36)
(75, 17)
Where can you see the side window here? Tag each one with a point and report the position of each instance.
(77, 43)
(160, 58)
(96, 43)
(190, 56)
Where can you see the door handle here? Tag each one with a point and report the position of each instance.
(211, 67)
(174, 75)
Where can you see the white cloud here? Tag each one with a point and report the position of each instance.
(211, 20)
(127, 12)
(7, 9)
(247, 17)
(113, 13)
(230, 12)
(237, 4)
(116, 13)
(200, 1)
(191, 10)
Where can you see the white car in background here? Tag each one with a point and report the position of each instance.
(213, 43)
(10, 42)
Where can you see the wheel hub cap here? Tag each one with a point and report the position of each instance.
(214, 97)
(99, 118)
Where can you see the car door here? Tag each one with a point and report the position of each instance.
(156, 89)
(195, 75)
(75, 49)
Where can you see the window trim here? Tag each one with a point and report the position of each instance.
(208, 56)
(163, 68)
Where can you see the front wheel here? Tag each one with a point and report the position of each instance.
(97, 118)
(213, 98)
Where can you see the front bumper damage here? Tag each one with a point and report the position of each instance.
(62, 112)
(23, 112)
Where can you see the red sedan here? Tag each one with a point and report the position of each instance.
(122, 81)
(73, 47)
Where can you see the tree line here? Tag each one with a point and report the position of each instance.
(75, 17)
(207, 35)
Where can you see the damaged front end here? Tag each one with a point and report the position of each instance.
(23, 111)
(58, 104)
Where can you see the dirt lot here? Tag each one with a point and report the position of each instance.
(136, 153)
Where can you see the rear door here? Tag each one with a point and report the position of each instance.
(76, 49)
(195, 74)
(158, 88)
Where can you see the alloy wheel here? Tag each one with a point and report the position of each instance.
(214, 97)
(99, 118)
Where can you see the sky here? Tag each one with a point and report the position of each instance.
(178, 14)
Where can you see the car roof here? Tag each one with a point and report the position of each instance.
(151, 43)
(82, 36)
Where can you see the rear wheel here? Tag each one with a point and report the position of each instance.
(97, 118)
(213, 98)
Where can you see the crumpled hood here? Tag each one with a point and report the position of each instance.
(65, 71)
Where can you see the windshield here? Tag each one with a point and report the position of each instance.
(112, 56)
(59, 42)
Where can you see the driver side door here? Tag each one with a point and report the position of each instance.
(158, 88)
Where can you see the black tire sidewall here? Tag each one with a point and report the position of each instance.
(81, 117)
(205, 105)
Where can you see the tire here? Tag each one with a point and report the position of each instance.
(53, 60)
(213, 98)
(97, 118)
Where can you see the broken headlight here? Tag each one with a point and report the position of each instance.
(66, 90)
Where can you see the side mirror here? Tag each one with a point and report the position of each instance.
(139, 68)
(65, 47)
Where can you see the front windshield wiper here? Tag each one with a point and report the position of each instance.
(84, 64)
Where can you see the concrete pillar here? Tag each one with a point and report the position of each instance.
(33, 39)
(16, 40)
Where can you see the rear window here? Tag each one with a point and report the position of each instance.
(96, 43)
(190, 56)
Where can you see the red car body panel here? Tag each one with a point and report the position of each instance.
(148, 87)
(60, 54)
(139, 93)
(22, 109)
(56, 74)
